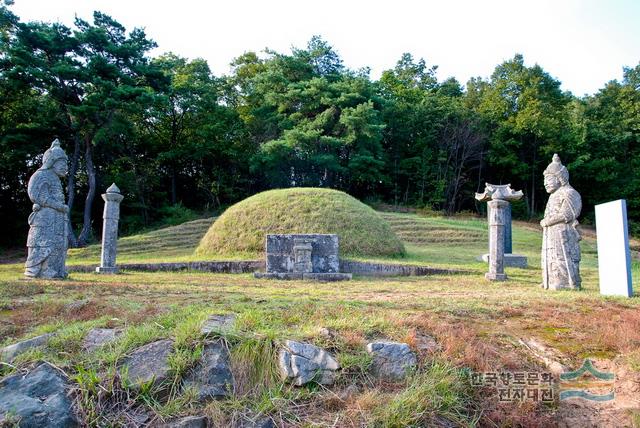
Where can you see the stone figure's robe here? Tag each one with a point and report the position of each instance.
(47, 239)
(560, 241)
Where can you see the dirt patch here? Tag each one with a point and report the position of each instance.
(615, 413)
(25, 317)
(583, 412)
(583, 329)
(466, 343)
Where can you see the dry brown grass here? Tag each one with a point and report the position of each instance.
(477, 324)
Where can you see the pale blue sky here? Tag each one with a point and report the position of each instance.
(584, 43)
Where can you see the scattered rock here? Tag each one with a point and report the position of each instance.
(149, 363)
(9, 353)
(303, 363)
(76, 306)
(212, 376)
(187, 422)
(391, 360)
(13, 305)
(98, 337)
(426, 344)
(38, 398)
(255, 422)
(349, 392)
(137, 416)
(327, 333)
(218, 323)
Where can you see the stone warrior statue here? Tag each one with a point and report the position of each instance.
(560, 236)
(47, 240)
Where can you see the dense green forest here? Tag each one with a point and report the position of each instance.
(177, 138)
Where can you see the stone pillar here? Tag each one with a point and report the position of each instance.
(508, 240)
(497, 209)
(508, 244)
(111, 216)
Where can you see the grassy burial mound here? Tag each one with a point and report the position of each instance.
(243, 227)
(166, 244)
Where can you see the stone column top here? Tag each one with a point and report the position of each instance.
(502, 192)
(113, 189)
(113, 194)
(499, 203)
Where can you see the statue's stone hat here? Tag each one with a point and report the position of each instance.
(53, 154)
(555, 167)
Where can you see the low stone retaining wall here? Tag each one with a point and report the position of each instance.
(231, 266)
(389, 269)
(251, 266)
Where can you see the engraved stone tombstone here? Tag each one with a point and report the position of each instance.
(47, 239)
(302, 256)
(560, 235)
(614, 256)
(111, 216)
(302, 253)
(498, 197)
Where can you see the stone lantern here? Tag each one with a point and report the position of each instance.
(498, 198)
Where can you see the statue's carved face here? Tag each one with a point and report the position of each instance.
(60, 168)
(551, 183)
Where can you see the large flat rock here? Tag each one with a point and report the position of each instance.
(98, 337)
(9, 353)
(212, 377)
(38, 399)
(148, 363)
(391, 360)
(218, 324)
(302, 363)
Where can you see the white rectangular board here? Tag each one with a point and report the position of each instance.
(614, 257)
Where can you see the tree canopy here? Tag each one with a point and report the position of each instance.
(177, 138)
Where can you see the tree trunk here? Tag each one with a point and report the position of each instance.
(533, 186)
(395, 182)
(174, 196)
(71, 190)
(143, 203)
(85, 233)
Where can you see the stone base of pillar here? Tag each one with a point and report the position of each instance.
(510, 260)
(107, 270)
(560, 287)
(495, 276)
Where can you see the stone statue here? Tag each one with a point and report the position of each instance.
(47, 239)
(560, 235)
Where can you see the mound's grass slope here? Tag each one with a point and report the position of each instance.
(169, 243)
(243, 227)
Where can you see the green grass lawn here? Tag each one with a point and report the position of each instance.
(476, 323)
